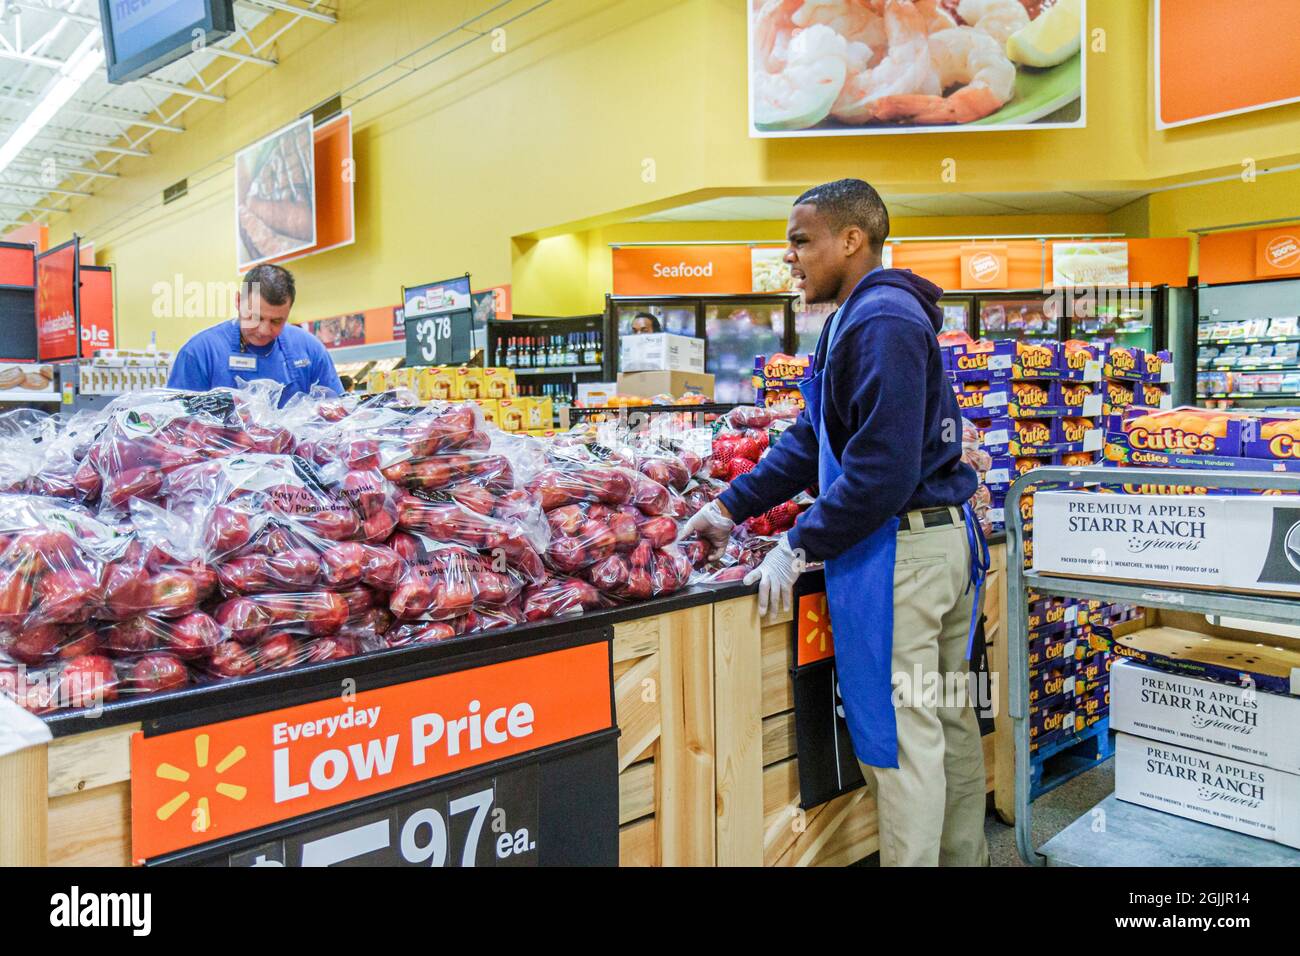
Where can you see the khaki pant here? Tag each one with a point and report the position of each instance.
(931, 809)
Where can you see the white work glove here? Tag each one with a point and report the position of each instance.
(713, 526)
(776, 577)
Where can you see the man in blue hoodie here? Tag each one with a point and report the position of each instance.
(881, 435)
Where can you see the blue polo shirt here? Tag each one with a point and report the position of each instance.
(215, 359)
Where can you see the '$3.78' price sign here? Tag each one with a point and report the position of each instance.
(487, 822)
(439, 339)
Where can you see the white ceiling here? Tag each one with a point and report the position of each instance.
(82, 147)
(762, 208)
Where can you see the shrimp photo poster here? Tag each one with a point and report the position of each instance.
(858, 67)
(275, 195)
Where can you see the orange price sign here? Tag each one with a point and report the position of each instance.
(218, 780)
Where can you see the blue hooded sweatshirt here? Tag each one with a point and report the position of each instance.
(891, 417)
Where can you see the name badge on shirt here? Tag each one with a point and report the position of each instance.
(244, 362)
(301, 363)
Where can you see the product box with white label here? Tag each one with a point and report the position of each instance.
(1213, 789)
(661, 352)
(1247, 543)
(1239, 722)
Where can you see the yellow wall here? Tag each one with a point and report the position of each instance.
(519, 166)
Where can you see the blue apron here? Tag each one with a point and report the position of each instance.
(860, 598)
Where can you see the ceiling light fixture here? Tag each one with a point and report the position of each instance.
(72, 75)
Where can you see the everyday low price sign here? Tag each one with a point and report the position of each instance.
(219, 780)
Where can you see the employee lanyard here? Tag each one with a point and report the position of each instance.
(979, 569)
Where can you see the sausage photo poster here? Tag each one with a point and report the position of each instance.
(914, 66)
(275, 195)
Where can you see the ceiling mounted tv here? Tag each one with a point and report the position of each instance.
(141, 36)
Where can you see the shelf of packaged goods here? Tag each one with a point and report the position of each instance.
(1257, 607)
(558, 370)
(1250, 368)
(42, 399)
(1260, 395)
(1254, 340)
(1140, 836)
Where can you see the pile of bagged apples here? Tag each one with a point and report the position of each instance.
(177, 539)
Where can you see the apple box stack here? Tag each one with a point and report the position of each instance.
(1207, 731)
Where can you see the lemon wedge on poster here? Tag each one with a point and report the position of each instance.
(1051, 39)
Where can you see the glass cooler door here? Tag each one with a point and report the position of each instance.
(735, 332)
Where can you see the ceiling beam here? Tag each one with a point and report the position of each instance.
(42, 190)
(126, 118)
(55, 11)
(318, 15)
(179, 90)
(35, 59)
(64, 170)
(92, 148)
(241, 57)
(10, 205)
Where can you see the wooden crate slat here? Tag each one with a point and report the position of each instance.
(23, 826)
(687, 802)
(92, 828)
(90, 760)
(637, 845)
(633, 639)
(638, 717)
(738, 683)
(636, 792)
(822, 828)
(778, 688)
(778, 738)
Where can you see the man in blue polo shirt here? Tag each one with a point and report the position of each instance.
(260, 343)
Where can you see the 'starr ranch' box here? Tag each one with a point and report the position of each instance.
(1241, 543)
(1213, 789)
(1239, 722)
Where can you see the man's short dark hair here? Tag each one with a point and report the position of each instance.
(273, 283)
(654, 320)
(851, 202)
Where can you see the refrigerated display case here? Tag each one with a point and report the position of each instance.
(957, 313)
(1032, 316)
(735, 329)
(1247, 348)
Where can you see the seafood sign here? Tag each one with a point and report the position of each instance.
(844, 67)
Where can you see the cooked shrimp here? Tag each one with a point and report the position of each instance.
(961, 56)
(906, 69)
(998, 18)
(858, 21)
(937, 16)
(798, 73)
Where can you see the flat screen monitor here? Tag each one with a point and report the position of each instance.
(141, 36)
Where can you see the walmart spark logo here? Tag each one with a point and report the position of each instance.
(816, 640)
(201, 774)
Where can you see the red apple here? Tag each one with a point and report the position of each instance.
(88, 681)
(660, 532)
(277, 652)
(80, 643)
(336, 647)
(136, 635)
(244, 620)
(32, 645)
(142, 483)
(411, 600)
(381, 567)
(67, 597)
(15, 597)
(246, 575)
(230, 659)
(341, 565)
(326, 613)
(610, 575)
(337, 524)
(624, 530)
(378, 526)
(156, 673)
(567, 554)
(174, 593)
(640, 586)
(194, 636)
(295, 569)
(228, 530)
